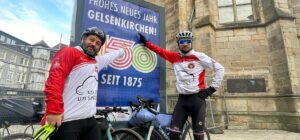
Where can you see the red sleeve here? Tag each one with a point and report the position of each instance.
(61, 66)
(168, 55)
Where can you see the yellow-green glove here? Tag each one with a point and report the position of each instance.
(44, 132)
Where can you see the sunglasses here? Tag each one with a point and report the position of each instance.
(184, 41)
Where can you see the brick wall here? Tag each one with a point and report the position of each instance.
(268, 49)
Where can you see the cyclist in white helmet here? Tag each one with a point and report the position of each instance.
(184, 40)
(189, 67)
(71, 88)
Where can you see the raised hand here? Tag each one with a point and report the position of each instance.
(143, 39)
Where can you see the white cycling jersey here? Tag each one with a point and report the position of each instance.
(71, 88)
(190, 69)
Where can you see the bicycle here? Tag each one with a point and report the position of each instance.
(115, 134)
(19, 111)
(156, 129)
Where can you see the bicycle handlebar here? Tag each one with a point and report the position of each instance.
(144, 103)
(108, 110)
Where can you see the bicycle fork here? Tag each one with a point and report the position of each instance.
(163, 133)
(150, 132)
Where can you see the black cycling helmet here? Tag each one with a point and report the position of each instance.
(95, 31)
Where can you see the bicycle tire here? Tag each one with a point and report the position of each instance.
(155, 135)
(188, 133)
(17, 136)
(125, 134)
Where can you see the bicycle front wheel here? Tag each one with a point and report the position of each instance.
(125, 134)
(188, 133)
(143, 131)
(17, 136)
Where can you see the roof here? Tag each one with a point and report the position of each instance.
(41, 43)
(59, 46)
(19, 41)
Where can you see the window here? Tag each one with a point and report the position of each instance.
(235, 11)
(8, 40)
(2, 55)
(39, 64)
(9, 76)
(42, 64)
(42, 53)
(12, 67)
(2, 38)
(43, 56)
(24, 61)
(22, 69)
(37, 78)
(1, 71)
(13, 58)
(13, 42)
(20, 77)
(36, 63)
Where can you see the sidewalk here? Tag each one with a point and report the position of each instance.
(254, 134)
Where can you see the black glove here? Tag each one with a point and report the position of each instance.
(204, 93)
(143, 39)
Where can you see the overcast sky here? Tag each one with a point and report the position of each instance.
(34, 20)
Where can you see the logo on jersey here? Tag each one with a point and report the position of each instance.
(85, 88)
(56, 65)
(81, 59)
(191, 65)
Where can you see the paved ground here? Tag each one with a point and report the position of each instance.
(228, 134)
(256, 135)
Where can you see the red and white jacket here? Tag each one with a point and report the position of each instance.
(190, 69)
(71, 88)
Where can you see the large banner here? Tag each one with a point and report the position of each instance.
(138, 71)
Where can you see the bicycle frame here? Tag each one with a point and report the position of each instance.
(147, 104)
(108, 130)
(164, 134)
(160, 130)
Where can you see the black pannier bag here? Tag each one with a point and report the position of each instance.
(16, 111)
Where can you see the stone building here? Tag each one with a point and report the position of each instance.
(258, 43)
(23, 67)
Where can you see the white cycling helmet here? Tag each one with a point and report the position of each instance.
(184, 35)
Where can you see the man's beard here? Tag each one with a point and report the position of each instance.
(183, 51)
(89, 53)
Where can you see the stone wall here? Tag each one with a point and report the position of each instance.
(266, 49)
(171, 28)
(295, 6)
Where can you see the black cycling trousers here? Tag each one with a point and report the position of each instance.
(188, 105)
(84, 129)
